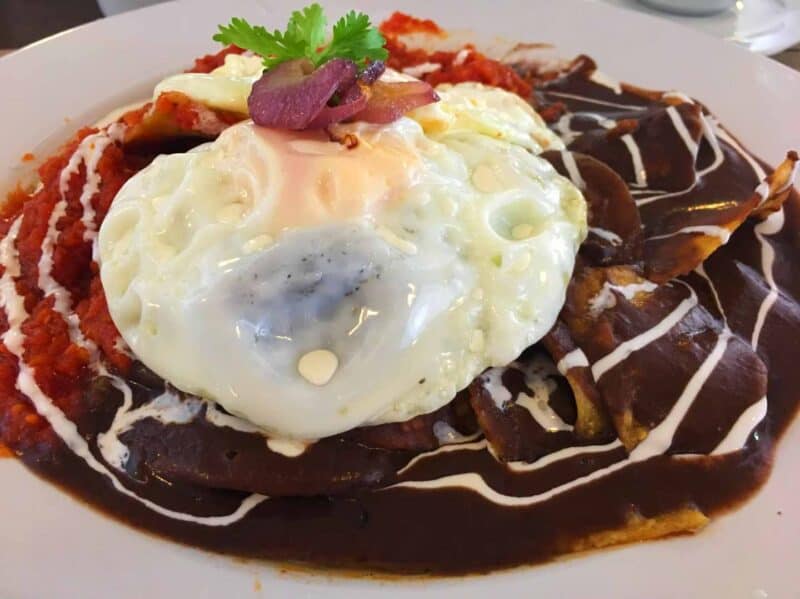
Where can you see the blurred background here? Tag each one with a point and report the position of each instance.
(770, 27)
(25, 21)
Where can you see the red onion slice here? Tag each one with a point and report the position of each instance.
(389, 101)
(292, 95)
(353, 101)
(373, 72)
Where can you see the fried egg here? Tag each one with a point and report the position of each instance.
(312, 286)
(224, 88)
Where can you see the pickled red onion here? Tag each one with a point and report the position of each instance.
(293, 95)
(389, 101)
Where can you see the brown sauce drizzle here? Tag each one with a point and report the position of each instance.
(454, 530)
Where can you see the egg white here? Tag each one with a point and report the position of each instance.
(403, 257)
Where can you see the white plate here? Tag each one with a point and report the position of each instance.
(53, 546)
(764, 26)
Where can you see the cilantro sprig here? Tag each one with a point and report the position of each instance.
(354, 38)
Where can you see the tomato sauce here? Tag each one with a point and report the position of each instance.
(209, 62)
(61, 366)
(455, 67)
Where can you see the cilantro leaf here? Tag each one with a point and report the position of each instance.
(309, 27)
(271, 46)
(354, 38)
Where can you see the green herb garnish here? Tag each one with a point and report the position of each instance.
(354, 38)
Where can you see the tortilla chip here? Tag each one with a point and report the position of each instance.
(173, 116)
(592, 421)
(607, 307)
(656, 136)
(639, 528)
(779, 186)
(502, 399)
(615, 229)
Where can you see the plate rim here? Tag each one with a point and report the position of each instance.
(321, 583)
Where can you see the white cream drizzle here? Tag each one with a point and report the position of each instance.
(763, 187)
(89, 151)
(680, 127)
(709, 132)
(701, 270)
(659, 439)
(564, 125)
(625, 349)
(167, 408)
(711, 230)
(602, 301)
(609, 236)
(594, 101)
(639, 171)
(447, 435)
(605, 298)
(219, 418)
(755, 413)
(519, 467)
(562, 454)
(50, 287)
(493, 383)
(727, 138)
(91, 159)
(474, 482)
(171, 408)
(474, 446)
(656, 443)
(538, 407)
(66, 430)
(769, 226)
(572, 169)
(763, 191)
(574, 359)
(539, 380)
(743, 428)
(288, 448)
